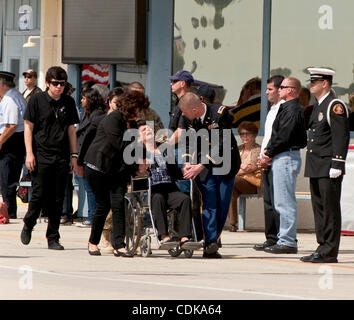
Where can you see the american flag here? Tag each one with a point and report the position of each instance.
(95, 72)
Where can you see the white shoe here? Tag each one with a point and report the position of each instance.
(84, 224)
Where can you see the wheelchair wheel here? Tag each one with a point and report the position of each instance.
(188, 253)
(145, 246)
(133, 225)
(174, 252)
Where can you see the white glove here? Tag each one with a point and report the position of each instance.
(334, 173)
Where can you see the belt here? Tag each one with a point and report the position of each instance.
(294, 148)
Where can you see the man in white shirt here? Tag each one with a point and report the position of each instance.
(12, 147)
(271, 218)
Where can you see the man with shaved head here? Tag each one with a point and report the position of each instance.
(283, 151)
(214, 164)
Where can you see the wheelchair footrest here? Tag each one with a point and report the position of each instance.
(168, 245)
(191, 245)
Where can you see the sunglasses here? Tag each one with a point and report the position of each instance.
(58, 83)
(284, 87)
(28, 77)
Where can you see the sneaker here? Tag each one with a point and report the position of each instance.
(84, 224)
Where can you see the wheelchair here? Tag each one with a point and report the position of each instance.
(140, 225)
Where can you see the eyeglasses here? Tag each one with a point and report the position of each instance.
(28, 77)
(245, 134)
(284, 87)
(175, 81)
(58, 83)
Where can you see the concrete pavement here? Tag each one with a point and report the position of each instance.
(34, 272)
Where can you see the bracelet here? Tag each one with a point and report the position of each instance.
(74, 155)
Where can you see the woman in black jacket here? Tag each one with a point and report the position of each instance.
(108, 174)
(95, 111)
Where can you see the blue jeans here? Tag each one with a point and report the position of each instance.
(90, 197)
(285, 168)
(216, 196)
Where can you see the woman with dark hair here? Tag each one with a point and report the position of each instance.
(108, 174)
(94, 112)
(248, 178)
(113, 98)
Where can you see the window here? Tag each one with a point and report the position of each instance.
(107, 31)
(33, 64)
(314, 34)
(15, 68)
(219, 42)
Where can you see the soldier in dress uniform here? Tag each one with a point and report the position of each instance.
(215, 187)
(327, 147)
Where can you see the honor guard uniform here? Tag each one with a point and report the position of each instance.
(327, 147)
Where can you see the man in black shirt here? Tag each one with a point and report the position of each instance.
(180, 84)
(288, 137)
(50, 140)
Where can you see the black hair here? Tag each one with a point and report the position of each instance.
(94, 100)
(57, 73)
(115, 92)
(276, 80)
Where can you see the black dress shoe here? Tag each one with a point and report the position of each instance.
(318, 258)
(280, 248)
(26, 235)
(215, 255)
(211, 248)
(262, 246)
(55, 245)
(127, 254)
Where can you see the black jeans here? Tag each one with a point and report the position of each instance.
(12, 156)
(48, 188)
(271, 217)
(109, 191)
(10, 169)
(68, 198)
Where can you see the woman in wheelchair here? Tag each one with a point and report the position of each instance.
(165, 194)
